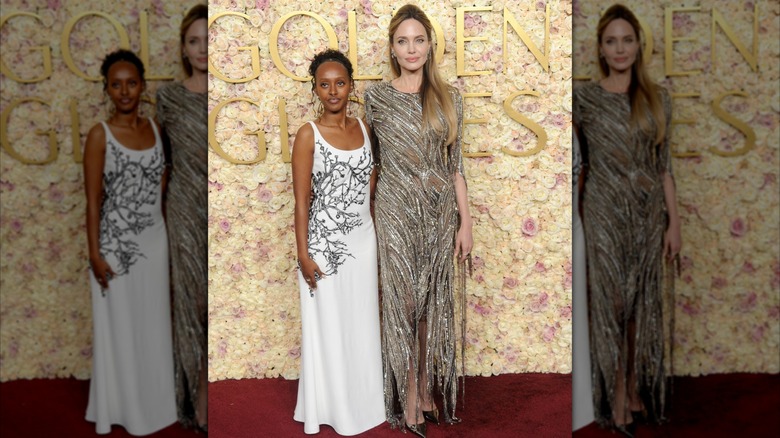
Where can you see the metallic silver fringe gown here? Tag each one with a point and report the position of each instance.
(416, 222)
(624, 216)
(184, 115)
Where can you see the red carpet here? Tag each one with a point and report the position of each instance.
(517, 405)
(43, 408)
(719, 405)
(511, 405)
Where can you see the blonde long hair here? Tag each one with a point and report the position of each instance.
(434, 91)
(642, 91)
(196, 13)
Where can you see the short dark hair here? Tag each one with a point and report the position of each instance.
(329, 55)
(121, 55)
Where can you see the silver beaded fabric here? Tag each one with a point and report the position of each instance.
(625, 218)
(416, 222)
(184, 116)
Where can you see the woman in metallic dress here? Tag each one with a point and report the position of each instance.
(183, 112)
(632, 228)
(423, 225)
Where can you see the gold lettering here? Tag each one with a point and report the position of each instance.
(285, 141)
(353, 58)
(481, 119)
(333, 42)
(669, 41)
(525, 121)
(261, 146)
(144, 54)
(253, 51)
(718, 20)
(462, 39)
(45, 51)
(75, 134)
(4, 134)
(750, 135)
(124, 40)
(686, 154)
(543, 58)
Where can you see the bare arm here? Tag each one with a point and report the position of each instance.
(94, 160)
(302, 163)
(464, 241)
(672, 237)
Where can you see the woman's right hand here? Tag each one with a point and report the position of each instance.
(102, 271)
(311, 272)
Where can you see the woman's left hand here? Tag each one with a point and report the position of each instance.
(672, 241)
(463, 242)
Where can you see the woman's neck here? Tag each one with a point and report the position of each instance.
(617, 82)
(333, 120)
(198, 82)
(127, 120)
(409, 82)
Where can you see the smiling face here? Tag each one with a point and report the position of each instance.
(619, 45)
(195, 45)
(124, 86)
(411, 45)
(332, 85)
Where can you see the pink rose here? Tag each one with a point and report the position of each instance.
(540, 303)
(748, 302)
(265, 195)
(224, 224)
(548, 333)
(510, 282)
(222, 348)
(758, 333)
(56, 194)
(530, 228)
(238, 312)
(738, 227)
(719, 282)
(690, 309)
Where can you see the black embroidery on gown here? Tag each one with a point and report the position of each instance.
(335, 189)
(121, 213)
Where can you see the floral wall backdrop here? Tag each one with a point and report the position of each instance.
(46, 328)
(519, 298)
(726, 141)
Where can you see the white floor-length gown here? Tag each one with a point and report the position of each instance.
(132, 350)
(341, 381)
(582, 406)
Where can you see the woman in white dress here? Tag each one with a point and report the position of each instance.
(333, 179)
(124, 174)
(582, 407)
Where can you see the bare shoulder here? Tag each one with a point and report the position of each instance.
(304, 139)
(305, 132)
(96, 137)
